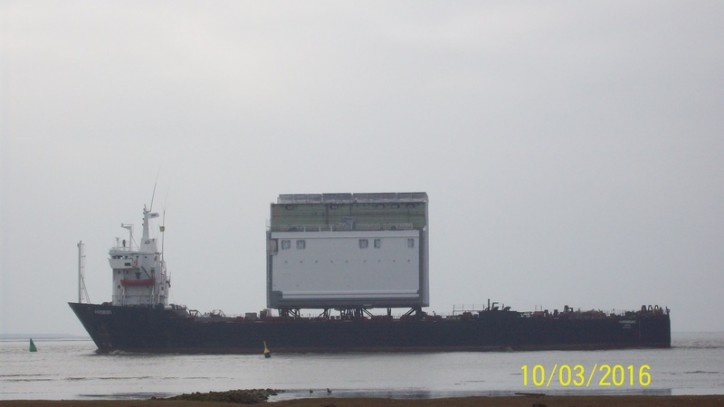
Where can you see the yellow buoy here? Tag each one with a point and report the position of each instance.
(267, 352)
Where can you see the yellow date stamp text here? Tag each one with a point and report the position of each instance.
(600, 375)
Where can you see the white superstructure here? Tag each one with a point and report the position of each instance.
(139, 273)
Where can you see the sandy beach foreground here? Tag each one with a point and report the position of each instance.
(508, 401)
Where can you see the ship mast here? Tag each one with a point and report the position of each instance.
(145, 239)
(82, 291)
(162, 228)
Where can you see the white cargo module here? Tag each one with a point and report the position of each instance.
(348, 251)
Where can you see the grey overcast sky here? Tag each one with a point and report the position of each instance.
(573, 151)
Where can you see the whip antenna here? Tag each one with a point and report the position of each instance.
(153, 195)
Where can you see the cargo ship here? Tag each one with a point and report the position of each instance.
(342, 258)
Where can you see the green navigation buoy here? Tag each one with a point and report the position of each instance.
(32, 346)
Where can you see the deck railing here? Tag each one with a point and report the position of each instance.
(341, 227)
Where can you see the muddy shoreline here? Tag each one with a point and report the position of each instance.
(498, 401)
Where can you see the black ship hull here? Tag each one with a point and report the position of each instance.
(175, 330)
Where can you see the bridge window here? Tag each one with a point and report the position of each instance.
(363, 243)
(286, 244)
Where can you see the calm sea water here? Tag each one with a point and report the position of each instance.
(72, 370)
